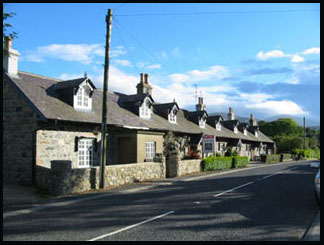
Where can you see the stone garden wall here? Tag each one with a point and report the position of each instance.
(176, 167)
(62, 179)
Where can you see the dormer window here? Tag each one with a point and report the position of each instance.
(172, 117)
(235, 130)
(218, 126)
(82, 99)
(202, 122)
(245, 131)
(256, 134)
(144, 110)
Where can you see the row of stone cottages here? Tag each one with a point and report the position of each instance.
(46, 119)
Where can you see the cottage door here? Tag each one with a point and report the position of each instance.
(124, 150)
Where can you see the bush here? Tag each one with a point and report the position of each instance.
(229, 152)
(212, 163)
(216, 163)
(272, 158)
(218, 154)
(307, 153)
(240, 162)
(285, 156)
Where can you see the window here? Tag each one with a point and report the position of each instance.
(256, 134)
(235, 130)
(85, 156)
(145, 111)
(245, 132)
(218, 126)
(150, 150)
(82, 99)
(172, 117)
(202, 123)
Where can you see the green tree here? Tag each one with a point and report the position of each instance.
(7, 25)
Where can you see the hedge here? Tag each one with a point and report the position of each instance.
(272, 158)
(216, 163)
(285, 156)
(212, 163)
(240, 162)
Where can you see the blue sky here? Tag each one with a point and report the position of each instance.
(257, 58)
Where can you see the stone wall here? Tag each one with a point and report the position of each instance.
(62, 179)
(189, 167)
(176, 167)
(19, 122)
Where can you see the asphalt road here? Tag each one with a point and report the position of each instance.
(276, 202)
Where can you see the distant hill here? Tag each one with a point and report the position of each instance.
(299, 120)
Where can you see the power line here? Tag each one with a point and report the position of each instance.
(122, 40)
(218, 12)
(143, 46)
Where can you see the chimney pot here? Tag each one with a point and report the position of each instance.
(142, 77)
(146, 78)
(8, 43)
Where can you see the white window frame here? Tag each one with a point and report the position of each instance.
(144, 110)
(85, 153)
(235, 130)
(150, 150)
(256, 134)
(82, 100)
(172, 117)
(218, 126)
(245, 132)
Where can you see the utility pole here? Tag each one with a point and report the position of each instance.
(103, 155)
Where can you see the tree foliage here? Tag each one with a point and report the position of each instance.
(7, 25)
(288, 135)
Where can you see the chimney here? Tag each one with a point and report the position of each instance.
(200, 106)
(143, 86)
(230, 115)
(10, 58)
(252, 121)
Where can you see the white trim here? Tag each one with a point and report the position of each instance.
(82, 100)
(235, 130)
(144, 110)
(172, 117)
(218, 126)
(202, 123)
(150, 150)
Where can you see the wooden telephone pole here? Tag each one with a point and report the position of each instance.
(103, 155)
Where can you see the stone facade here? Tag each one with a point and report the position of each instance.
(60, 145)
(19, 125)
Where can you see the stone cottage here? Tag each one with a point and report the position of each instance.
(47, 119)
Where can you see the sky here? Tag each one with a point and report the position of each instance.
(256, 58)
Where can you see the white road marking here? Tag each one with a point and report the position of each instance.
(268, 176)
(131, 226)
(219, 194)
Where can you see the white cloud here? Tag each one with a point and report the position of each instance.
(293, 80)
(154, 66)
(123, 62)
(312, 51)
(273, 107)
(179, 77)
(212, 73)
(82, 53)
(271, 54)
(119, 50)
(256, 97)
(296, 58)
(66, 76)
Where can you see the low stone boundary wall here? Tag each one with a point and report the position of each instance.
(176, 167)
(62, 179)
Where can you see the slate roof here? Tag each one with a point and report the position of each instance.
(163, 109)
(42, 98)
(72, 83)
(212, 119)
